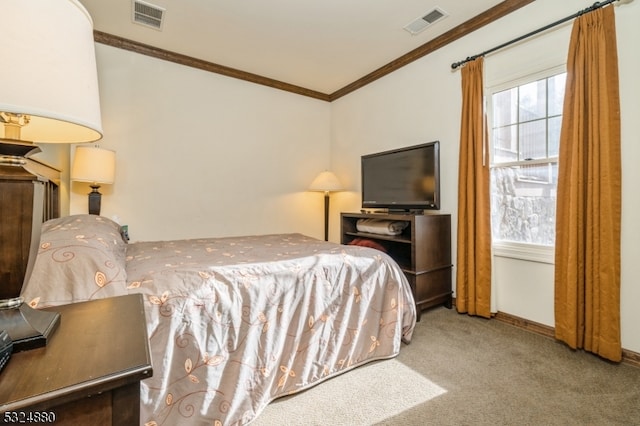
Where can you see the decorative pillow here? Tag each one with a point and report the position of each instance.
(81, 257)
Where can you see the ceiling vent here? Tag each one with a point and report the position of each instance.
(423, 22)
(147, 14)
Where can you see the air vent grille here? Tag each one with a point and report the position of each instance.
(148, 14)
(433, 16)
(420, 24)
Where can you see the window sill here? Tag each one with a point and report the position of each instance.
(530, 252)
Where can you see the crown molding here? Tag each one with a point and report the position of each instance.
(488, 16)
(178, 58)
(469, 26)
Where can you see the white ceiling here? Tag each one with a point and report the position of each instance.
(322, 45)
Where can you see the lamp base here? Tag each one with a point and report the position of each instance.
(17, 148)
(21, 213)
(28, 328)
(95, 198)
(326, 216)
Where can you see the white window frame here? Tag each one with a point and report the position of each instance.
(510, 249)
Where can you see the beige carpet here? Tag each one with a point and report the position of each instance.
(367, 395)
(462, 370)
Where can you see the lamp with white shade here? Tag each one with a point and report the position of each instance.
(96, 166)
(48, 94)
(326, 182)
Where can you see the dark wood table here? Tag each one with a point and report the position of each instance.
(89, 372)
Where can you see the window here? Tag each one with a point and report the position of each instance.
(525, 134)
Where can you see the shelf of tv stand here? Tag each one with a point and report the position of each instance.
(422, 250)
(395, 238)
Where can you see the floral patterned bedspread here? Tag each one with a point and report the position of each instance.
(234, 323)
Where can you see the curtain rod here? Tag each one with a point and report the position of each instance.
(596, 5)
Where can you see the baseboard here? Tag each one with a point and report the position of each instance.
(628, 357)
(535, 327)
(631, 358)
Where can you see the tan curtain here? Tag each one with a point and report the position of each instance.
(473, 276)
(587, 260)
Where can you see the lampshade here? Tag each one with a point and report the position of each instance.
(94, 165)
(48, 78)
(326, 182)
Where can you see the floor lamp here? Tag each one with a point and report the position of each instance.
(48, 94)
(326, 182)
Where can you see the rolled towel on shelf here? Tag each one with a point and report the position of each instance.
(381, 226)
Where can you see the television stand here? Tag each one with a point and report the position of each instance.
(423, 252)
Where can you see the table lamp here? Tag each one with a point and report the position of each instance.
(94, 165)
(48, 94)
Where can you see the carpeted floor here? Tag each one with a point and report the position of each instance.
(461, 370)
(383, 385)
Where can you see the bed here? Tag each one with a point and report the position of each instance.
(235, 322)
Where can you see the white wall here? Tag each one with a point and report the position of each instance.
(421, 102)
(629, 62)
(199, 154)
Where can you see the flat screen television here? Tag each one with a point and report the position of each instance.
(402, 179)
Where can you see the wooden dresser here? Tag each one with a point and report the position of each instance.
(89, 372)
